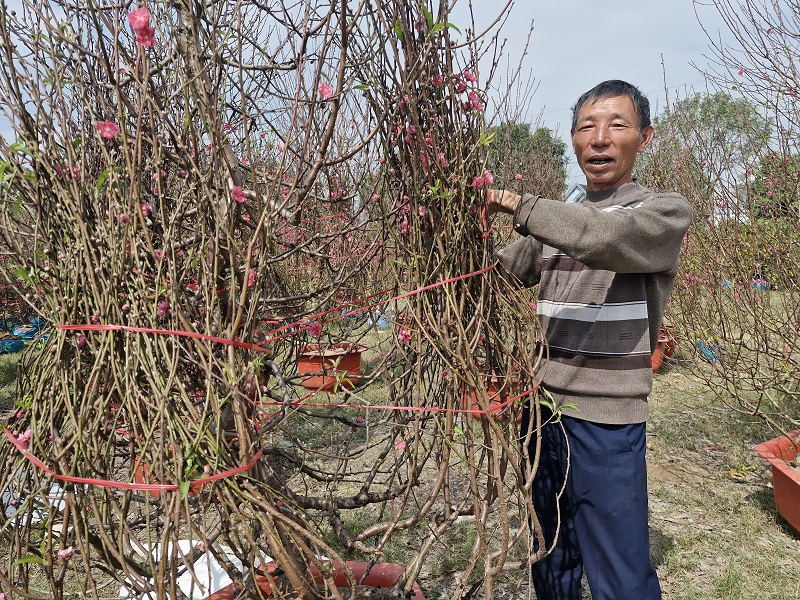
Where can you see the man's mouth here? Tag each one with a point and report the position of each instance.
(599, 161)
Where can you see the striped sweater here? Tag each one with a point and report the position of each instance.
(605, 269)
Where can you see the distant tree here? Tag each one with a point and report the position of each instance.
(705, 146)
(775, 186)
(539, 157)
(721, 131)
(669, 166)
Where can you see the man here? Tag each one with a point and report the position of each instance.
(605, 269)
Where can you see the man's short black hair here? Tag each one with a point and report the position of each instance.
(609, 89)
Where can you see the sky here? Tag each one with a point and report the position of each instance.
(578, 43)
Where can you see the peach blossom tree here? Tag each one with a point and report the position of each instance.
(193, 193)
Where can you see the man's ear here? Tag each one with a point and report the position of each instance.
(647, 137)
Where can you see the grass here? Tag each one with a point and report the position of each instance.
(715, 533)
(8, 374)
(712, 511)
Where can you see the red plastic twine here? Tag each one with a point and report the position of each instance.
(431, 409)
(260, 347)
(155, 487)
(189, 334)
(145, 487)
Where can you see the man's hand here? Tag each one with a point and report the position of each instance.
(502, 201)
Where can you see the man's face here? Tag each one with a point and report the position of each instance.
(606, 141)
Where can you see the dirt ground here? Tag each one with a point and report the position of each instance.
(715, 533)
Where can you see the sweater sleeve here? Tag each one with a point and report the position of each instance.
(641, 239)
(523, 259)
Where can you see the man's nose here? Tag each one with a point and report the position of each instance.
(600, 136)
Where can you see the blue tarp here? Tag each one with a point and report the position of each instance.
(22, 334)
(10, 346)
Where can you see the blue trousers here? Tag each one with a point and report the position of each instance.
(602, 512)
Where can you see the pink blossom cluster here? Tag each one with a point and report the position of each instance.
(474, 101)
(24, 439)
(238, 195)
(139, 20)
(107, 129)
(74, 171)
(486, 179)
(325, 90)
(315, 328)
(162, 309)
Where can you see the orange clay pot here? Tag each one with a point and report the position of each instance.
(142, 476)
(381, 575)
(326, 366)
(785, 479)
(496, 404)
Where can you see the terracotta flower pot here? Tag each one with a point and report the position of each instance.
(143, 476)
(667, 343)
(327, 366)
(662, 350)
(667, 334)
(381, 575)
(496, 403)
(785, 479)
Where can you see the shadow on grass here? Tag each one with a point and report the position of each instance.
(660, 546)
(764, 500)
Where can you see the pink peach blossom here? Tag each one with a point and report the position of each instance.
(162, 309)
(325, 90)
(139, 19)
(24, 439)
(238, 195)
(108, 129)
(146, 37)
(315, 329)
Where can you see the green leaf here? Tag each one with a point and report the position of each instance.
(486, 138)
(104, 175)
(451, 26)
(22, 273)
(428, 15)
(438, 28)
(361, 86)
(398, 29)
(19, 147)
(102, 179)
(30, 558)
(184, 488)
